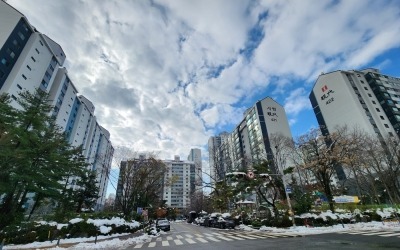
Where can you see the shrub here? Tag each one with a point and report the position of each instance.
(256, 223)
(82, 229)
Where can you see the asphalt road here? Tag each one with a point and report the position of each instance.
(187, 236)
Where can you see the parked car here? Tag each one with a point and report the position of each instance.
(201, 220)
(211, 221)
(225, 222)
(163, 224)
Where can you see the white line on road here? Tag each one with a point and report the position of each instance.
(201, 240)
(165, 243)
(178, 242)
(152, 244)
(387, 235)
(213, 239)
(190, 241)
(138, 246)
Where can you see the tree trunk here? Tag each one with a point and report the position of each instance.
(37, 201)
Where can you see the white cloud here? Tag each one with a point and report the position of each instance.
(297, 101)
(165, 75)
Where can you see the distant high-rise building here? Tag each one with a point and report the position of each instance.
(30, 60)
(179, 183)
(214, 146)
(195, 156)
(366, 100)
(251, 141)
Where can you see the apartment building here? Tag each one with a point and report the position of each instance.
(365, 99)
(30, 60)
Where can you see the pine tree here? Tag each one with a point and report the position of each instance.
(36, 156)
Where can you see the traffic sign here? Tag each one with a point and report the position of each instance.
(289, 190)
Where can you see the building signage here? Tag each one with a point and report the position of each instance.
(346, 199)
(327, 95)
(272, 113)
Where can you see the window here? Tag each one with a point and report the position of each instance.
(4, 62)
(40, 42)
(28, 67)
(365, 88)
(19, 86)
(51, 68)
(16, 44)
(33, 59)
(391, 134)
(386, 126)
(369, 95)
(21, 35)
(382, 118)
(47, 74)
(373, 102)
(10, 53)
(37, 51)
(362, 81)
(23, 76)
(13, 97)
(378, 110)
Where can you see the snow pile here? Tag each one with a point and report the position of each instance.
(76, 220)
(114, 221)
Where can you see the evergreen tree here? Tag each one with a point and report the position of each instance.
(88, 193)
(35, 156)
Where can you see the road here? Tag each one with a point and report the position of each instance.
(187, 236)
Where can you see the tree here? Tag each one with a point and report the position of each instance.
(88, 191)
(140, 184)
(35, 157)
(322, 156)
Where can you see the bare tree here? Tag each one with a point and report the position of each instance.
(140, 184)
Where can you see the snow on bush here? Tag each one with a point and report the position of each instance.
(114, 221)
(105, 230)
(76, 220)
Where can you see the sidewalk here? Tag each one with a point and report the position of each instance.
(67, 245)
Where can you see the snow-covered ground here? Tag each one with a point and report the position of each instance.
(115, 242)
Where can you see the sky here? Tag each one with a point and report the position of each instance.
(165, 75)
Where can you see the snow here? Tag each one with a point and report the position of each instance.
(114, 242)
(76, 220)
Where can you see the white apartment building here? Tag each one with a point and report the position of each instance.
(179, 182)
(364, 100)
(31, 60)
(253, 139)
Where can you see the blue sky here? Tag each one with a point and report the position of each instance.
(166, 75)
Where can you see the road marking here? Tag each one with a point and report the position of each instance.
(224, 238)
(189, 235)
(190, 241)
(213, 239)
(201, 240)
(165, 243)
(179, 236)
(169, 238)
(178, 242)
(234, 237)
(199, 235)
(374, 233)
(138, 246)
(247, 237)
(159, 239)
(387, 235)
(207, 234)
(152, 244)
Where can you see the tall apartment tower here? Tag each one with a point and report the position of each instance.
(214, 146)
(180, 176)
(253, 139)
(30, 60)
(195, 156)
(366, 100)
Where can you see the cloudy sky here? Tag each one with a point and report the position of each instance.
(166, 75)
